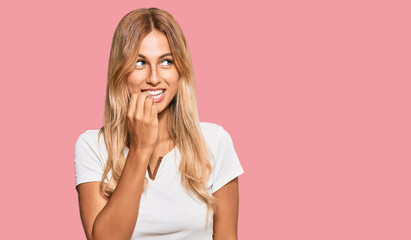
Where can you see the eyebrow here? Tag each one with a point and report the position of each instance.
(167, 54)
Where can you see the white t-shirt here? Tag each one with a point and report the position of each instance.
(167, 210)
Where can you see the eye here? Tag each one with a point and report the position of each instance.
(166, 62)
(140, 63)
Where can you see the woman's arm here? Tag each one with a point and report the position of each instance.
(114, 218)
(226, 214)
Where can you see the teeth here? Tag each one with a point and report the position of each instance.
(157, 96)
(155, 92)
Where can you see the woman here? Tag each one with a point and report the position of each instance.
(154, 171)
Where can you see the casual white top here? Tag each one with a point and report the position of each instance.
(167, 210)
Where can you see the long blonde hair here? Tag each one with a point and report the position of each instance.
(184, 124)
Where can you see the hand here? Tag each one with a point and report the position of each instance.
(142, 123)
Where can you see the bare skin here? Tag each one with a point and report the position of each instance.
(155, 69)
(226, 214)
(115, 218)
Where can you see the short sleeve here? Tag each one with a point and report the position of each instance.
(87, 160)
(227, 165)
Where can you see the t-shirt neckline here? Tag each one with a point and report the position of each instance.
(159, 164)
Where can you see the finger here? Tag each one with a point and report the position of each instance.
(154, 109)
(132, 105)
(147, 107)
(140, 105)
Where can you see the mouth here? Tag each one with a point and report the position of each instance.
(157, 94)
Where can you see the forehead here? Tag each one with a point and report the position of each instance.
(154, 45)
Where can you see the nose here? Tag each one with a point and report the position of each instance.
(153, 77)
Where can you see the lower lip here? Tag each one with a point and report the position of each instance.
(156, 100)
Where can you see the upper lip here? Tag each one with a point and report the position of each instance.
(153, 89)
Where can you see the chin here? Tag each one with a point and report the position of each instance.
(162, 109)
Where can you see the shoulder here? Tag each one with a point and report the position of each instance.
(209, 130)
(225, 162)
(90, 144)
(90, 155)
(213, 131)
(89, 135)
(90, 138)
(215, 135)
(210, 133)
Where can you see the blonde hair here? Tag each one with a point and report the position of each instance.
(184, 124)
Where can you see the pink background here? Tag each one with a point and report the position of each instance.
(315, 94)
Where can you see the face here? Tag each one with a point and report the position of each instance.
(155, 71)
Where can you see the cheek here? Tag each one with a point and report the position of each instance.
(134, 80)
(171, 77)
